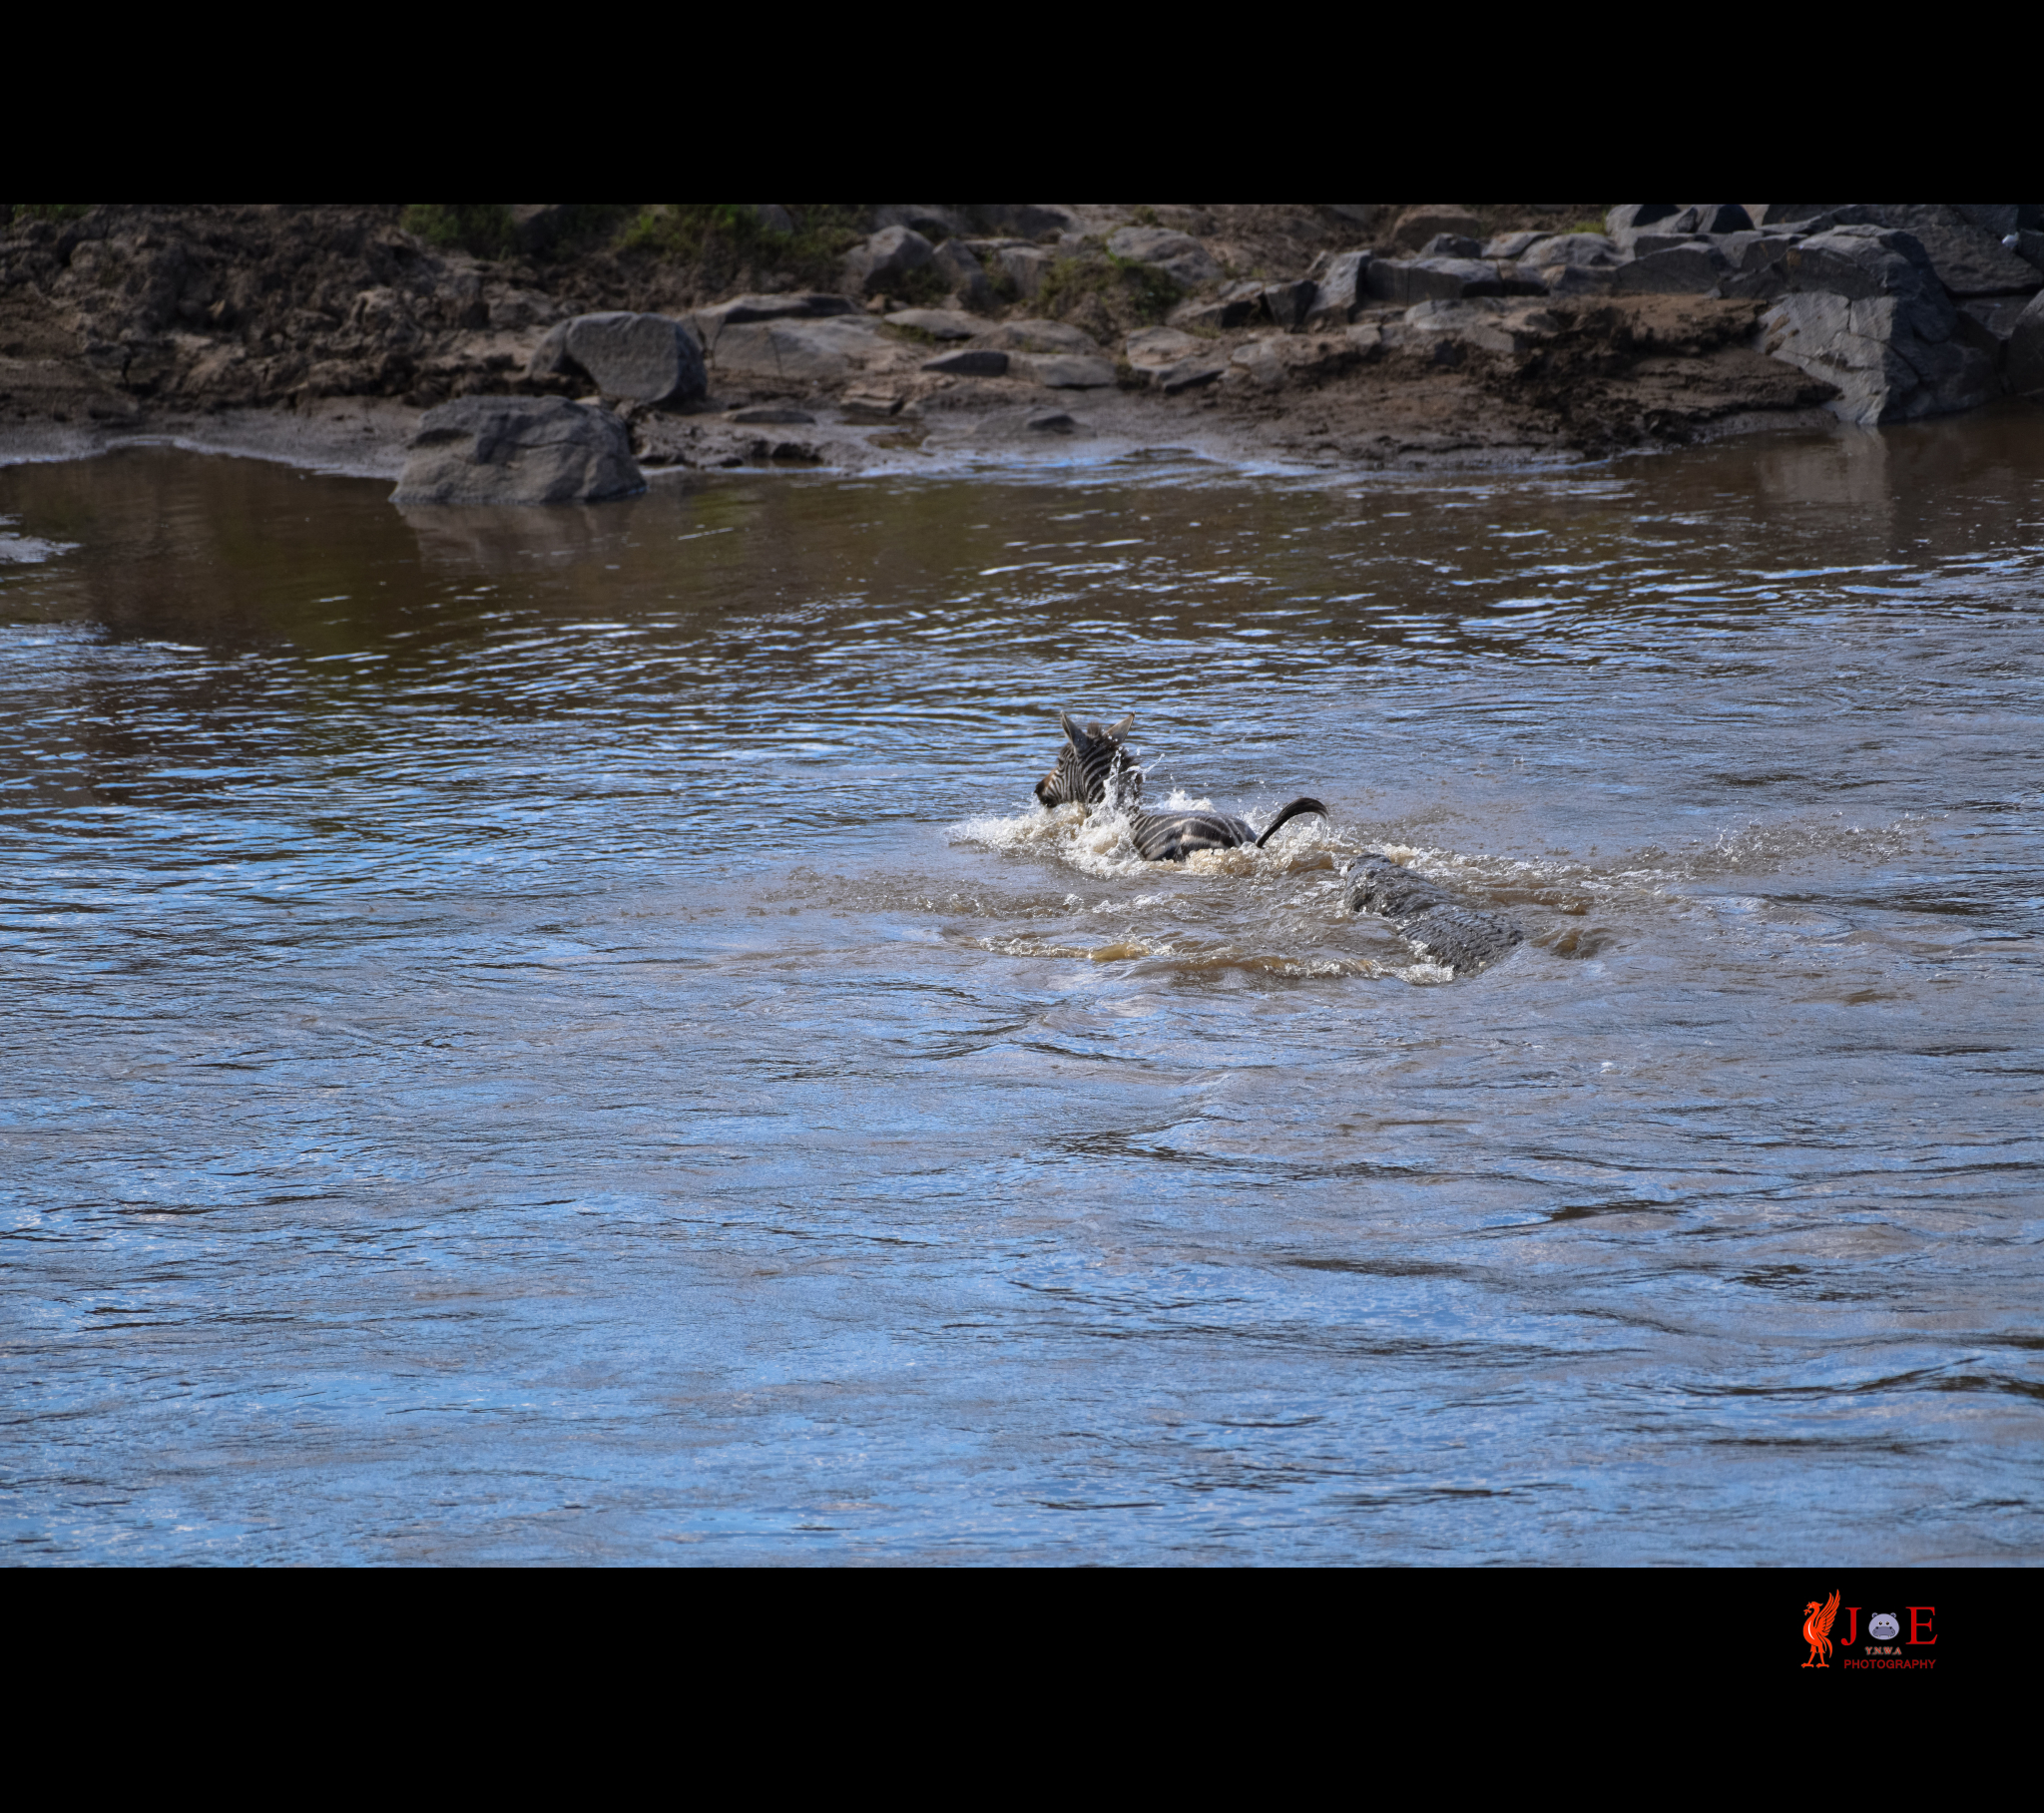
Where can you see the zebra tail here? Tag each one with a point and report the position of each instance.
(1291, 811)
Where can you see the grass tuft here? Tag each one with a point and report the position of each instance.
(725, 239)
(484, 229)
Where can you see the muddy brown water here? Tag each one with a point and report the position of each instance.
(563, 1036)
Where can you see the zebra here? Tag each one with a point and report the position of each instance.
(1097, 764)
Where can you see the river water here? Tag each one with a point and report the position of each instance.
(563, 1036)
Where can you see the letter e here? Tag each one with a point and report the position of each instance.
(1924, 1624)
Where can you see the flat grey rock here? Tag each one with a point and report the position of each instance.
(804, 353)
(518, 450)
(770, 415)
(794, 305)
(646, 358)
(1062, 371)
(1038, 337)
(1593, 249)
(1052, 421)
(1149, 346)
(1691, 269)
(970, 362)
(1187, 375)
(1489, 323)
(938, 324)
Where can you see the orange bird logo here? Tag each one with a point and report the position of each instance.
(1816, 1630)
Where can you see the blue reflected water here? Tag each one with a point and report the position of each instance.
(559, 1036)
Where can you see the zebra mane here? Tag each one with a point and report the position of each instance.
(1095, 762)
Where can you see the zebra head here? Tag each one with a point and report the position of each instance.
(1093, 763)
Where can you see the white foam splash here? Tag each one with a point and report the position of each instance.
(1098, 843)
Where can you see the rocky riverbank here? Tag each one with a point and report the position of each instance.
(1356, 335)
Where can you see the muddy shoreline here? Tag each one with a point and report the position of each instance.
(319, 336)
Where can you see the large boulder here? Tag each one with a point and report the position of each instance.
(1863, 263)
(1867, 313)
(1409, 280)
(1969, 260)
(1569, 249)
(2025, 357)
(1343, 289)
(645, 358)
(1178, 254)
(1569, 263)
(1663, 222)
(1417, 225)
(1689, 268)
(518, 450)
(1288, 304)
(889, 255)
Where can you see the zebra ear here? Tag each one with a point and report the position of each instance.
(1073, 734)
(1118, 732)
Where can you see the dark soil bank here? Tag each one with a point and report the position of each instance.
(1359, 334)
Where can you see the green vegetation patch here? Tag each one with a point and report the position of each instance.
(42, 210)
(1139, 293)
(484, 229)
(727, 239)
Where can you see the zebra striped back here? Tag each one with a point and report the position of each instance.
(1095, 766)
(1093, 759)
